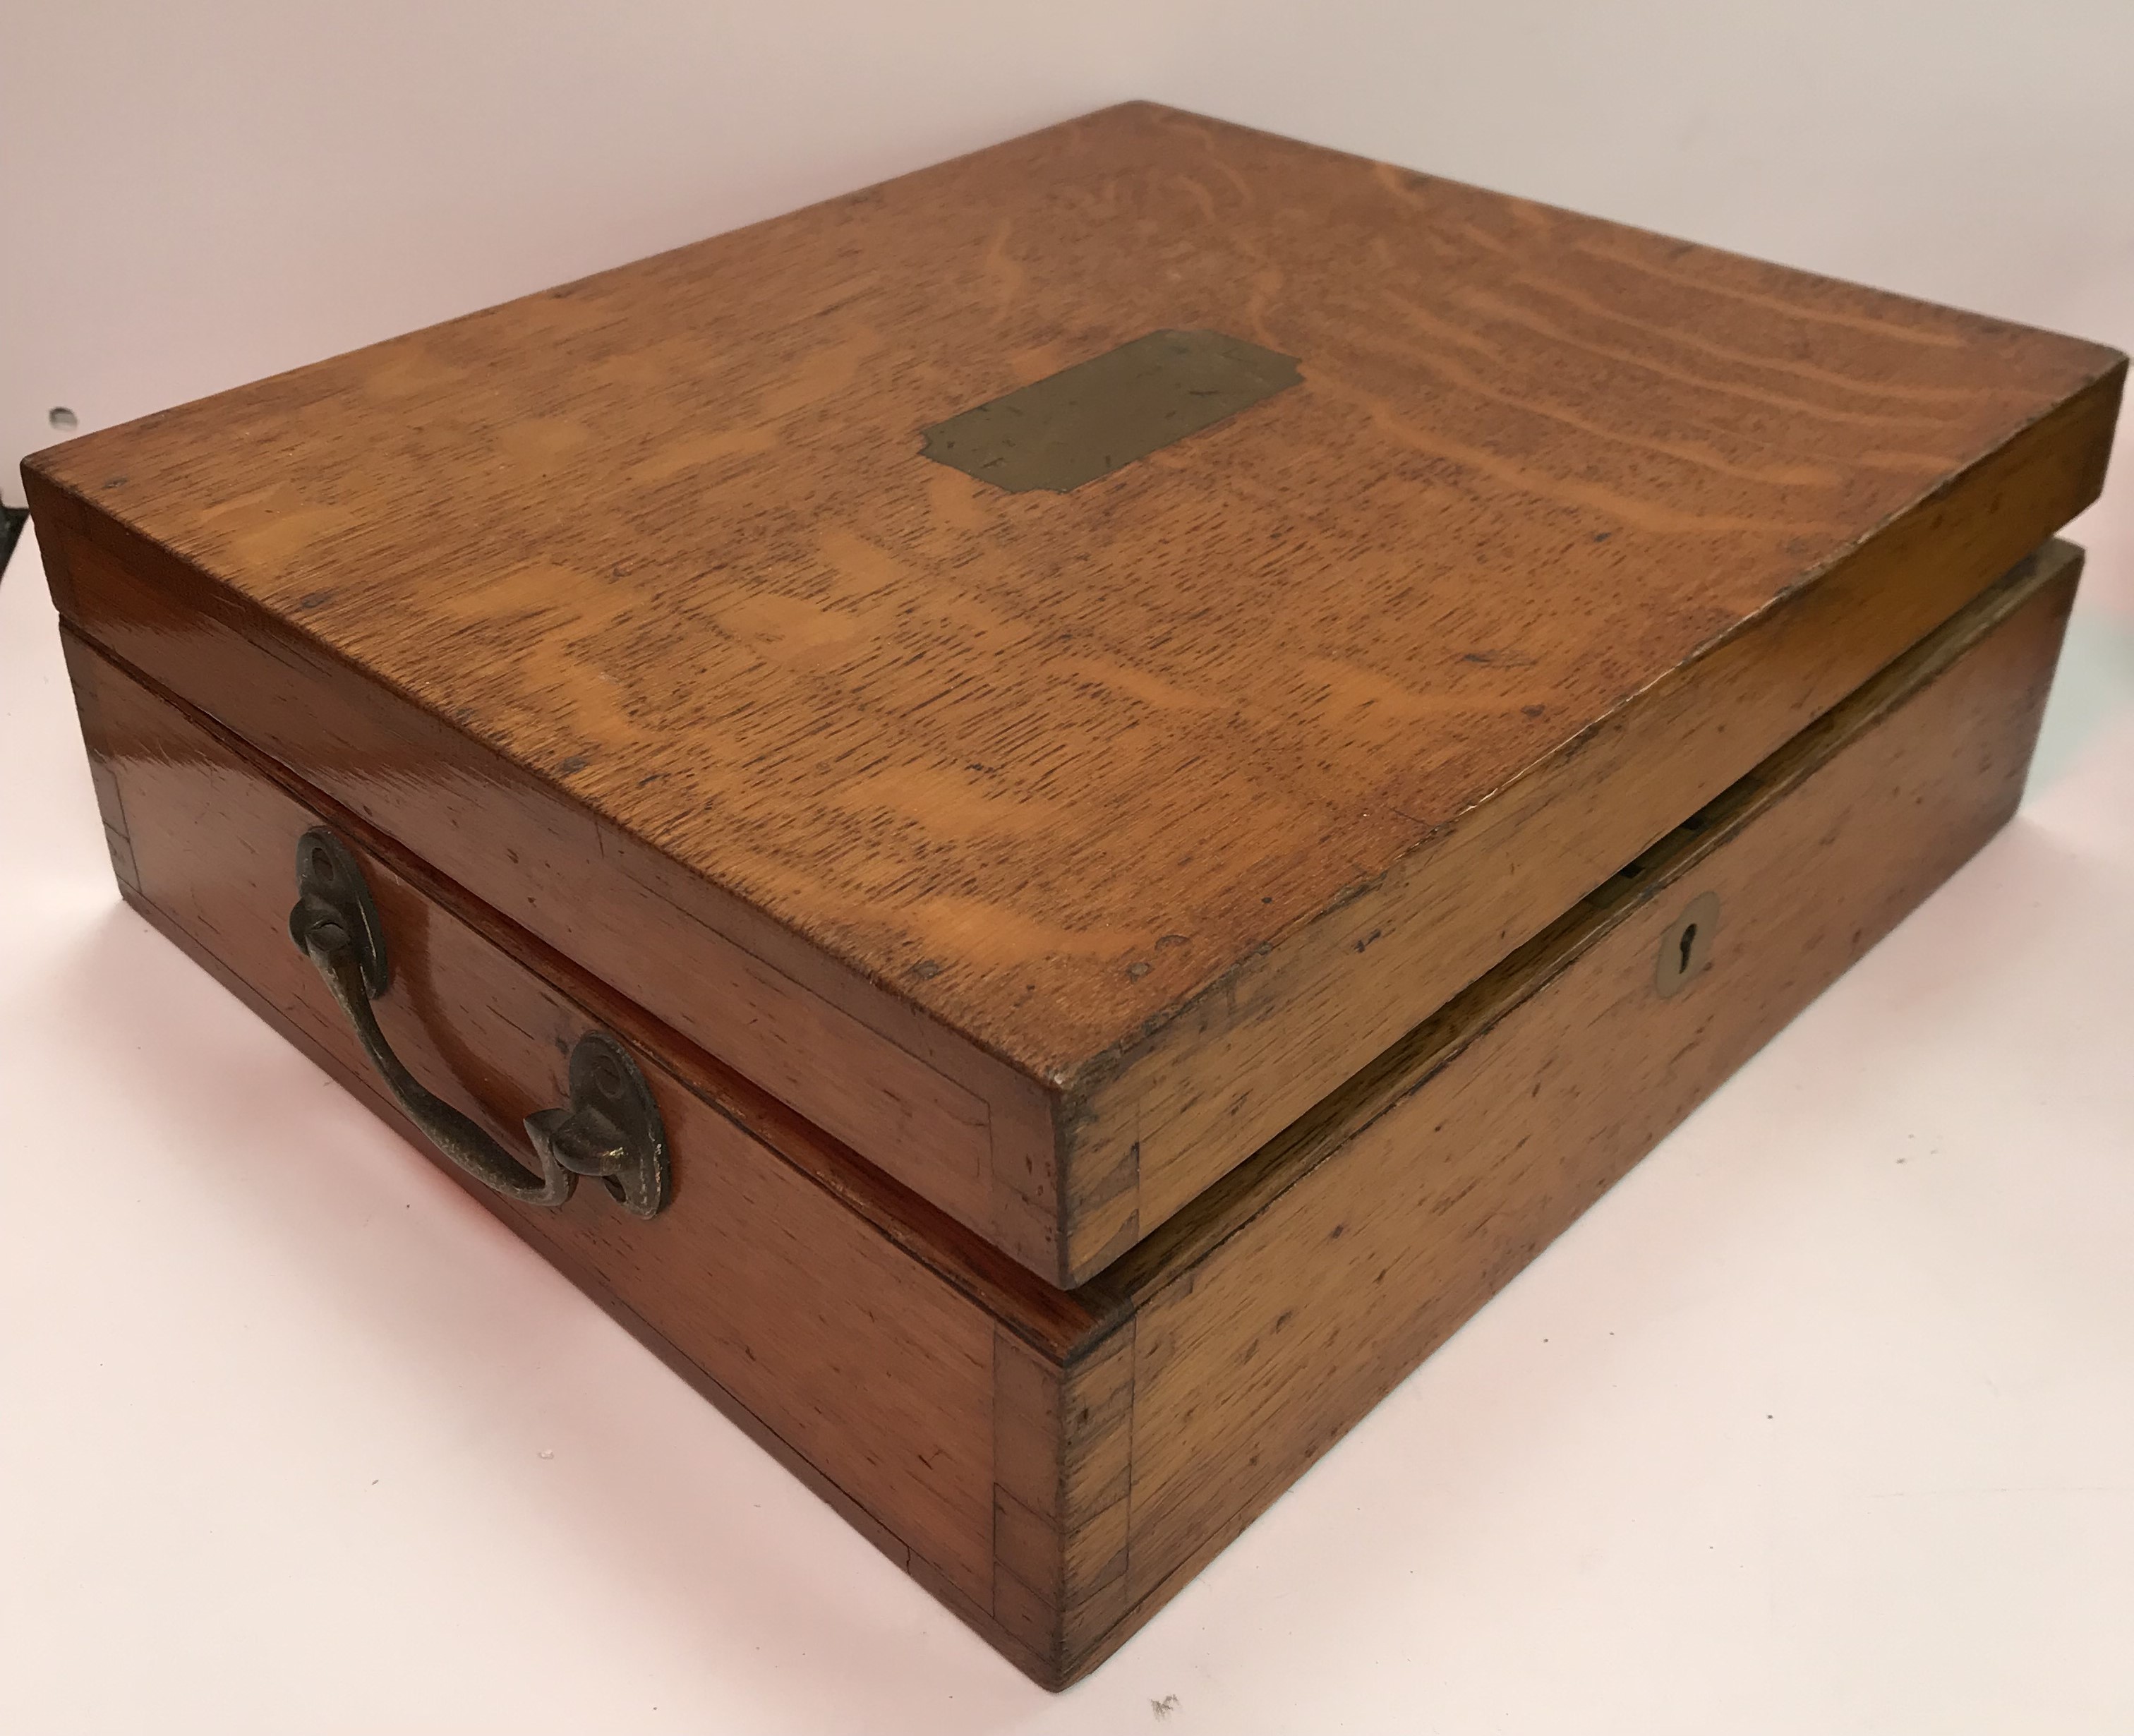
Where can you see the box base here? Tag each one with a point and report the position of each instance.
(1053, 1466)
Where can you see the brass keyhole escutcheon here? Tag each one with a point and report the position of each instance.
(1686, 948)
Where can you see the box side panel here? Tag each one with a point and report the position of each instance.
(954, 1124)
(1157, 1127)
(1263, 1349)
(850, 1354)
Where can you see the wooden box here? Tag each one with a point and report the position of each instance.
(1092, 789)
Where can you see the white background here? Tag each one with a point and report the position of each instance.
(1822, 1421)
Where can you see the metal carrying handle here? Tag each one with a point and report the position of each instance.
(612, 1128)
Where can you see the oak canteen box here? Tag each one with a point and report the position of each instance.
(1044, 818)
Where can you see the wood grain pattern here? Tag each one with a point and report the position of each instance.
(1055, 1466)
(1266, 1319)
(1107, 832)
(1266, 1330)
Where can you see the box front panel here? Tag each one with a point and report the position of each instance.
(1305, 1304)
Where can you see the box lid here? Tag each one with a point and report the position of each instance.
(1130, 758)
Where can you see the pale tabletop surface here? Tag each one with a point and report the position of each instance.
(1818, 1422)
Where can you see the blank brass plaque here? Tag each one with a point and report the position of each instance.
(1087, 421)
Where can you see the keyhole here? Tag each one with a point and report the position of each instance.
(1685, 948)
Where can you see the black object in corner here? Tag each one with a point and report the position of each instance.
(12, 518)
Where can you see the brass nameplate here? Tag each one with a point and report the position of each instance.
(1087, 421)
